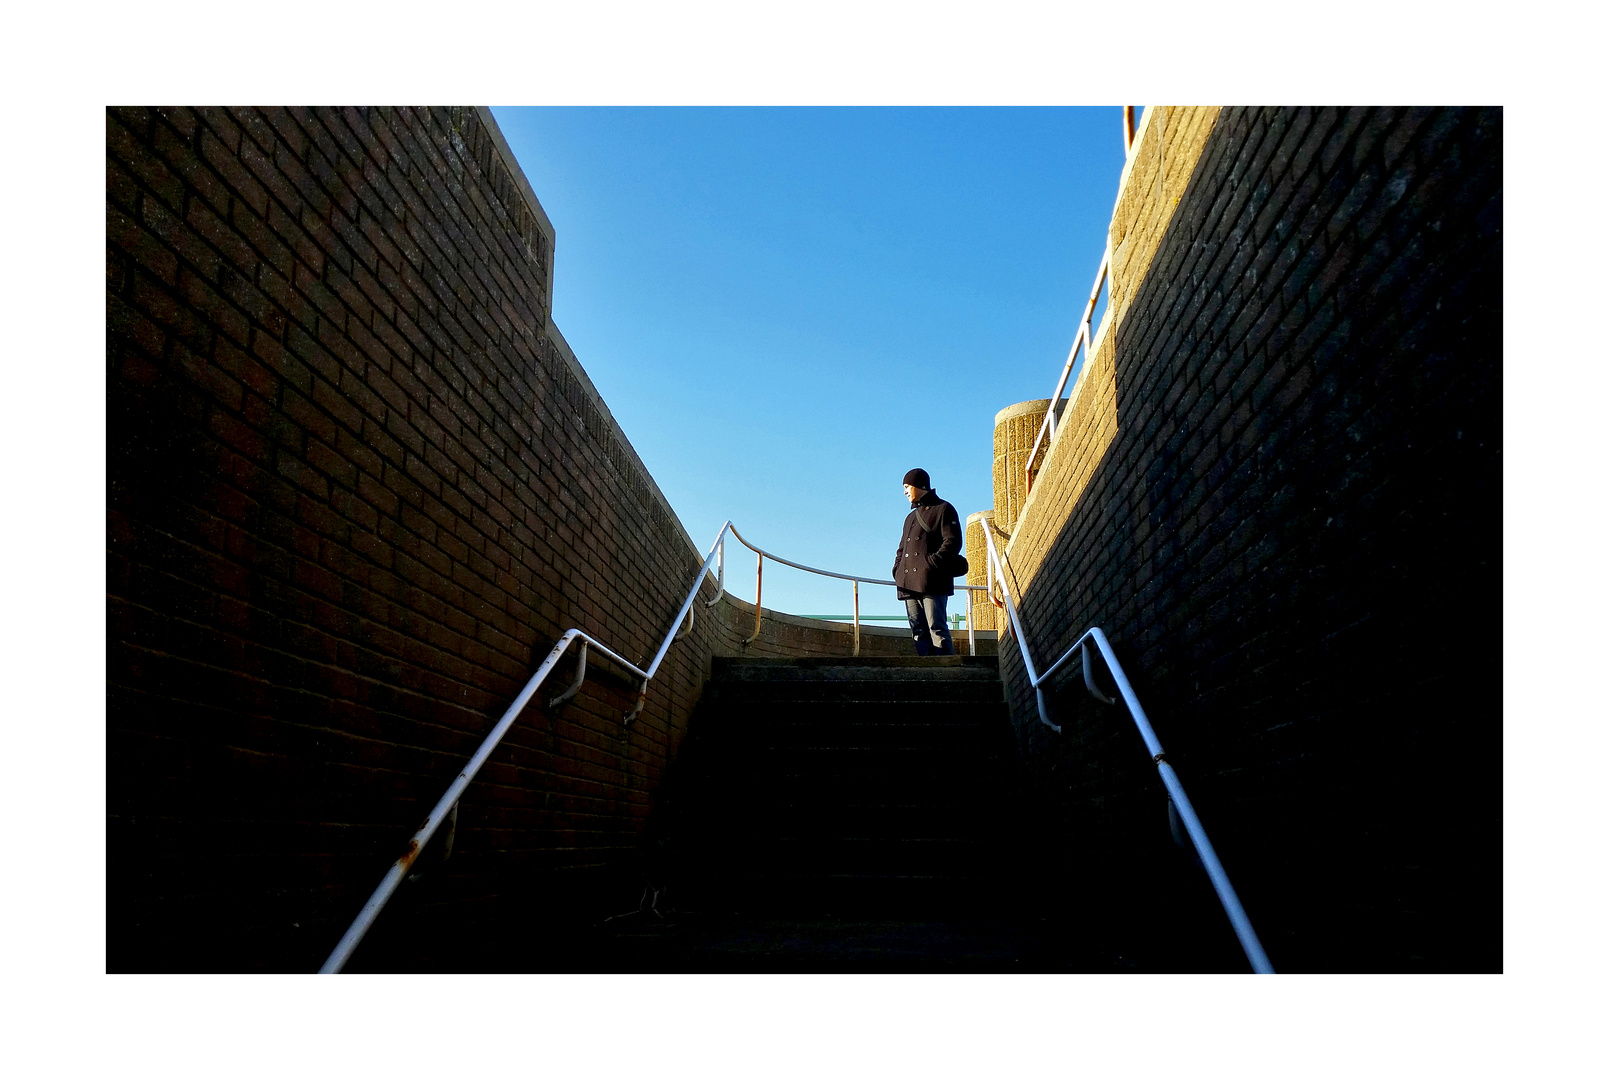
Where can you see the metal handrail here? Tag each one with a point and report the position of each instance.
(447, 805)
(1047, 427)
(1249, 942)
(446, 808)
(1085, 335)
(759, 579)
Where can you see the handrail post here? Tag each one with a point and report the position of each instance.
(580, 677)
(720, 569)
(692, 610)
(856, 585)
(1089, 676)
(759, 579)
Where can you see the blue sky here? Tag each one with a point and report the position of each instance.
(786, 309)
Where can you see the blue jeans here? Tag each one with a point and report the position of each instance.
(928, 627)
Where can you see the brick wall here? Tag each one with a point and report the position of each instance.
(1278, 490)
(358, 486)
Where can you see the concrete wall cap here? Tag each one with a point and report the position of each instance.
(521, 181)
(1021, 408)
(745, 612)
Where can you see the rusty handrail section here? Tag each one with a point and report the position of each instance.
(448, 803)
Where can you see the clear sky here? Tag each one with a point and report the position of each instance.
(786, 309)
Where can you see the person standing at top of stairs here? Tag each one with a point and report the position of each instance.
(925, 564)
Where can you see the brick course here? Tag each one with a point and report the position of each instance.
(358, 486)
(1284, 511)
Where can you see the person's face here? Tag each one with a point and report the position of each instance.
(913, 493)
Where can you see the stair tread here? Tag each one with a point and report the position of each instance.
(875, 781)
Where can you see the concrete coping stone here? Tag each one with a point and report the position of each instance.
(1021, 408)
(879, 663)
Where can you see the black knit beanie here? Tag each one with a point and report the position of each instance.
(918, 478)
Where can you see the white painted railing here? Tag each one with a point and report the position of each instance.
(1081, 341)
(1085, 336)
(855, 580)
(1227, 896)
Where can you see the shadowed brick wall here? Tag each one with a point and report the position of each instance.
(358, 487)
(1278, 490)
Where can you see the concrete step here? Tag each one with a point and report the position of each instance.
(908, 896)
(865, 668)
(853, 854)
(881, 783)
(899, 748)
(715, 938)
(908, 695)
(839, 774)
(742, 733)
(884, 819)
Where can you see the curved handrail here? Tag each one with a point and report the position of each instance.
(1227, 896)
(802, 566)
(759, 580)
(825, 573)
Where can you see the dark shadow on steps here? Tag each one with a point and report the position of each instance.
(823, 815)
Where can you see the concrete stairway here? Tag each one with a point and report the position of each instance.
(871, 787)
(828, 815)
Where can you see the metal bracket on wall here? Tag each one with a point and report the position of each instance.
(580, 677)
(452, 833)
(1089, 679)
(688, 629)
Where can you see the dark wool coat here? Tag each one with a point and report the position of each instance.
(932, 535)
